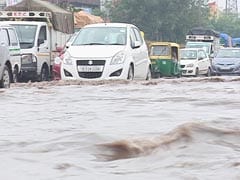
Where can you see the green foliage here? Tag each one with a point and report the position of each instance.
(165, 20)
(227, 23)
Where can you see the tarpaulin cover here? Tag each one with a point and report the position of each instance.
(82, 18)
(62, 20)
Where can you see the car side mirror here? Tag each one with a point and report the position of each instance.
(68, 44)
(136, 44)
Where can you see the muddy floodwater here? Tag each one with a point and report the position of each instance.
(168, 129)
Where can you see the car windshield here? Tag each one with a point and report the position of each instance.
(228, 53)
(188, 54)
(204, 46)
(26, 35)
(160, 50)
(101, 36)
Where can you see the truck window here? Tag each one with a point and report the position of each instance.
(26, 35)
(12, 37)
(43, 33)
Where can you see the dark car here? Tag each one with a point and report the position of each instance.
(227, 61)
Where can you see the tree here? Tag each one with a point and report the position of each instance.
(161, 19)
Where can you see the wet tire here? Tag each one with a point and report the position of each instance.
(209, 72)
(149, 74)
(196, 72)
(15, 77)
(130, 73)
(5, 81)
(44, 76)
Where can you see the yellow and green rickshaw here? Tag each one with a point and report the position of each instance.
(165, 59)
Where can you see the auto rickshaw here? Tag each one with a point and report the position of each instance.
(165, 59)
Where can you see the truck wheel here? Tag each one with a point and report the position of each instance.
(5, 81)
(44, 76)
(130, 73)
(15, 76)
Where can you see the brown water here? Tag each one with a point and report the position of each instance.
(186, 128)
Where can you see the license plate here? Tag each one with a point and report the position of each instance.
(90, 68)
(225, 68)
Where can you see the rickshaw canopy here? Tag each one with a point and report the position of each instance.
(162, 50)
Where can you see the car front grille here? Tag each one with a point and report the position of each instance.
(90, 75)
(90, 62)
(230, 70)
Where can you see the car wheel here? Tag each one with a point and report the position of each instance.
(44, 76)
(149, 74)
(130, 73)
(15, 76)
(209, 72)
(5, 81)
(196, 72)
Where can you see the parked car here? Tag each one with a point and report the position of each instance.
(107, 51)
(227, 61)
(9, 38)
(5, 64)
(58, 60)
(195, 62)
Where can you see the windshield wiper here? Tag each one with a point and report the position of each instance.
(94, 44)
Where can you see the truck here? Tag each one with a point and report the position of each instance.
(42, 29)
(207, 39)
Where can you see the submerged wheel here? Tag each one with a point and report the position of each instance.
(15, 76)
(44, 76)
(5, 81)
(196, 72)
(130, 73)
(149, 74)
(209, 72)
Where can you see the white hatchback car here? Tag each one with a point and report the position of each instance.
(107, 51)
(194, 62)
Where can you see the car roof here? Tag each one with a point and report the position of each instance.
(110, 25)
(186, 49)
(229, 48)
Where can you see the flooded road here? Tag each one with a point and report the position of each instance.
(171, 129)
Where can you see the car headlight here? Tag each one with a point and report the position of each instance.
(118, 58)
(67, 59)
(28, 59)
(190, 65)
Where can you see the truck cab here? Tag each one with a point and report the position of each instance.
(34, 40)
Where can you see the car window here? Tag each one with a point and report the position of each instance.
(13, 37)
(188, 54)
(4, 36)
(138, 35)
(202, 54)
(228, 53)
(101, 36)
